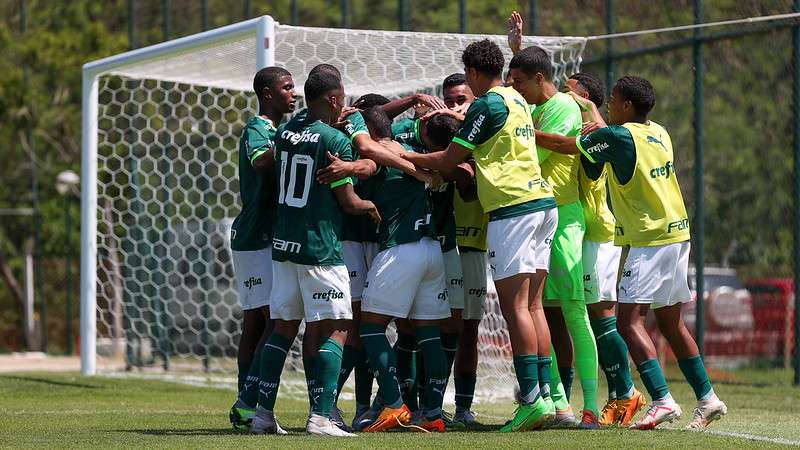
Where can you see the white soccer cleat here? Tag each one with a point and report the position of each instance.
(265, 422)
(466, 417)
(323, 426)
(659, 412)
(706, 412)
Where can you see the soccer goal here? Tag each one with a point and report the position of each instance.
(160, 183)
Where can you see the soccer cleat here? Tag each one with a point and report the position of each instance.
(564, 418)
(366, 418)
(431, 425)
(449, 423)
(336, 418)
(610, 413)
(527, 417)
(241, 416)
(324, 426)
(706, 412)
(628, 407)
(466, 417)
(264, 422)
(659, 412)
(390, 418)
(589, 420)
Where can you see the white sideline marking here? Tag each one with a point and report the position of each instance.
(752, 437)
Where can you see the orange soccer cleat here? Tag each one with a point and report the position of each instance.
(627, 408)
(390, 418)
(609, 414)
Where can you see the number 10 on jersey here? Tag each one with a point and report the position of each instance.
(288, 193)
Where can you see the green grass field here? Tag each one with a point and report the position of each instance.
(39, 410)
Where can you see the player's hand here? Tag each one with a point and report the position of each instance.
(436, 181)
(346, 111)
(588, 127)
(515, 32)
(394, 147)
(373, 213)
(584, 103)
(430, 101)
(334, 171)
(462, 108)
(445, 111)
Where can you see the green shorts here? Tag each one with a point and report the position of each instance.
(565, 279)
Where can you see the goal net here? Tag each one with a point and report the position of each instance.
(160, 191)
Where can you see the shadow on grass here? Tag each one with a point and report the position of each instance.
(196, 431)
(51, 382)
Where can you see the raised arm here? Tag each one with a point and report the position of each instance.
(444, 161)
(399, 106)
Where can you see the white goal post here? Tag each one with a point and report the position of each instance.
(160, 182)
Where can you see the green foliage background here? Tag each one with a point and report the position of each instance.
(748, 119)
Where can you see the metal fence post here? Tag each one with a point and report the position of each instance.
(204, 12)
(609, 47)
(796, 145)
(462, 16)
(166, 26)
(699, 168)
(402, 12)
(345, 5)
(533, 18)
(295, 13)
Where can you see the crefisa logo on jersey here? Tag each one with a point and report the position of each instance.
(476, 127)
(663, 171)
(328, 296)
(252, 281)
(597, 147)
(526, 131)
(296, 138)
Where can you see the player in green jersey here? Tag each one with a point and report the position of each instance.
(652, 219)
(307, 254)
(600, 267)
(251, 233)
(498, 132)
(405, 281)
(565, 307)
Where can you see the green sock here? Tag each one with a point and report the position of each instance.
(381, 358)
(422, 382)
(612, 393)
(349, 357)
(329, 364)
(567, 374)
(544, 375)
(429, 343)
(272, 358)
(527, 369)
(405, 350)
(363, 375)
(310, 371)
(695, 372)
(653, 379)
(249, 393)
(557, 393)
(615, 356)
(244, 369)
(465, 390)
(577, 319)
(450, 347)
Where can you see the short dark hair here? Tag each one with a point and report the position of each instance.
(441, 129)
(593, 85)
(320, 83)
(378, 122)
(485, 57)
(639, 92)
(370, 100)
(325, 68)
(267, 77)
(456, 79)
(533, 60)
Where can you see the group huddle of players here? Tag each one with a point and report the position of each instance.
(351, 221)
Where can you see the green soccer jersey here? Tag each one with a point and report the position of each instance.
(404, 206)
(444, 219)
(308, 225)
(560, 114)
(252, 228)
(406, 131)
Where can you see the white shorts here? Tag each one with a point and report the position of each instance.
(475, 266)
(521, 244)
(253, 273)
(371, 250)
(454, 279)
(656, 275)
(407, 281)
(600, 266)
(312, 293)
(353, 253)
